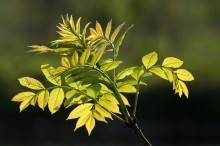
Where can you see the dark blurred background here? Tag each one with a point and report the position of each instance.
(186, 29)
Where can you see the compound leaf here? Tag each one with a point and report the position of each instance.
(55, 100)
(172, 62)
(149, 59)
(31, 83)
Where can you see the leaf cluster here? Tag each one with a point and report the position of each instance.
(87, 82)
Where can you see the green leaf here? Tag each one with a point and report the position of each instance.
(74, 59)
(23, 96)
(115, 33)
(90, 123)
(85, 56)
(97, 56)
(126, 72)
(172, 62)
(31, 83)
(55, 100)
(65, 62)
(127, 89)
(149, 59)
(108, 29)
(80, 111)
(43, 98)
(110, 66)
(159, 72)
(138, 73)
(120, 40)
(94, 90)
(184, 75)
(48, 72)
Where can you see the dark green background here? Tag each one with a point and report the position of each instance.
(186, 29)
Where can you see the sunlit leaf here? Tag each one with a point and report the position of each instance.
(184, 75)
(80, 111)
(108, 29)
(74, 59)
(102, 111)
(99, 28)
(65, 62)
(169, 74)
(48, 71)
(124, 99)
(55, 100)
(24, 104)
(159, 72)
(149, 59)
(110, 105)
(97, 56)
(127, 89)
(90, 123)
(184, 88)
(82, 120)
(98, 116)
(93, 90)
(31, 83)
(110, 66)
(126, 72)
(85, 56)
(115, 33)
(43, 98)
(137, 73)
(23, 96)
(172, 62)
(78, 26)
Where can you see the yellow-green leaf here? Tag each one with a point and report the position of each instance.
(115, 33)
(159, 71)
(43, 98)
(184, 75)
(149, 59)
(78, 26)
(127, 89)
(172, 62)
(80, 111)
(97, 56)
(90, 123)
(55, 99)
(102, 111)
(82, 120)
(99, 29)
(126, 72)
(31, 83)
(48, 72)
(138, 73)
(108, 29)
(24, 104)
(85, 56)
(23, 96)
(98, 116)
(124, 100)
(110, 66)
(65, 62)
(111, 106)
(184, 88)
(74, 59)
(169, 74)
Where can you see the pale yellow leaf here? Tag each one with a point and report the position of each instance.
(98, 116)
(55, 99)
(23, 96)
(43, 98)
(172, 62)
(184, 75)
(80, 110)
(108, 29)
(65, 62)
(124, 99)
(99, 28)
(184, 88)
(82, 120)
(102, 111)
(90, 123)
(159, 72)
(31, 83)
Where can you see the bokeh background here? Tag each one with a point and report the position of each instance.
(186, 29)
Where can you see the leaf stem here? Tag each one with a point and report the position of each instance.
(136, 98)
(140, 134)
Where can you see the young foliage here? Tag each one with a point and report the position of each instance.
(89, 83)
